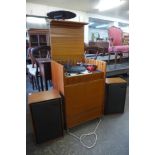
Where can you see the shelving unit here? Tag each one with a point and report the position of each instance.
(38, 37)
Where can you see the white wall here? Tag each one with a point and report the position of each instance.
(42, 10)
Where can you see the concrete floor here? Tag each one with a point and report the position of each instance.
(113, 136)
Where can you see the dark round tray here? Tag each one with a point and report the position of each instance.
(61, 14)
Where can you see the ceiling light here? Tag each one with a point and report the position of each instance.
(108, 4)
(101, 26)
(36, 20)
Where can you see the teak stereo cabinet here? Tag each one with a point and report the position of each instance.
(83, 94)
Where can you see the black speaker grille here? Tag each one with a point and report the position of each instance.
(115, 98)
(47, 120)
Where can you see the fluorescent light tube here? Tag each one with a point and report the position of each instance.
(108, 4)
(101, 26)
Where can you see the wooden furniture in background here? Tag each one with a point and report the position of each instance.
(45, 70)
(83, 94)
(46, 114)
(33, 69)
(38, 37)
(98, 48)
(125, 38)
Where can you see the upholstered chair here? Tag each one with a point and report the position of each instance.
(116, 42)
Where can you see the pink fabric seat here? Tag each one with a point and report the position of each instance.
(119, 49)
(116, 38)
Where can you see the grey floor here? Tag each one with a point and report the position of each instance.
(113, 136)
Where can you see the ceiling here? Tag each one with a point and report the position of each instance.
(121, 12)
(93, 22)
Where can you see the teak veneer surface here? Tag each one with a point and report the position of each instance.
(38, 31)
(67, 40)
(84, 101)
(84, 95)
(43, 96)
(115, 80)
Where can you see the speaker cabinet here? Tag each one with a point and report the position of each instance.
(115, 95)
(46, 113)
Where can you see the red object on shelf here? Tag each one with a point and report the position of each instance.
(91, 68)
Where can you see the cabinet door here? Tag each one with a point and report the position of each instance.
(33, 40)
(42, 39)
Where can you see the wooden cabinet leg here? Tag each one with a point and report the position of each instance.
(37, 80)
(115, 57)
(109, 58)
(41, 81)
(46, 84)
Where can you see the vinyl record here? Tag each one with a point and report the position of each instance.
(75, 69)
